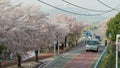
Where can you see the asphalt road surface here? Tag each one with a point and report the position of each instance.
(78, 58)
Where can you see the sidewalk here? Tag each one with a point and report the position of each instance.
(30, 63)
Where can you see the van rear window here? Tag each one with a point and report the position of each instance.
(92, 42)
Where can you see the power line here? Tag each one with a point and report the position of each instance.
(108, 5)
(85, 8)
(73, 12)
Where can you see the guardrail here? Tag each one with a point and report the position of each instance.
(101, 57)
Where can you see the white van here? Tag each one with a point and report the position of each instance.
(92, 45)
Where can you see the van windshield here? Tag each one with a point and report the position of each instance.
(92, 42)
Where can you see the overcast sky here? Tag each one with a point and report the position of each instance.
(91, 4)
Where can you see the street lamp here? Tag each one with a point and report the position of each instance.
(56, 43)
(117, 37)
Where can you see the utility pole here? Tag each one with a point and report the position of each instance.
(54, 49)
(117, 36)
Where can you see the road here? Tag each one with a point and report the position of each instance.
(77, 58)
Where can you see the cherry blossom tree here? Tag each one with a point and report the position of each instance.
(23, 29)
(71, 24)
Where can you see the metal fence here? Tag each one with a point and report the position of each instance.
(101, 57)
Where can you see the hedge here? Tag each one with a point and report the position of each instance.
(108, 60)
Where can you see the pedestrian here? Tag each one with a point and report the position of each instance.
(8, 55)
(105, 42)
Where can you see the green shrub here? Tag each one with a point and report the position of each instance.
(119, 63)
(2, 47)
(119, 60)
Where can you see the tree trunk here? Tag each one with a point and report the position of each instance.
(36, 54)
(19, 60)
(65, 41)
(0, 64)
(76, 42)
(1, 59)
